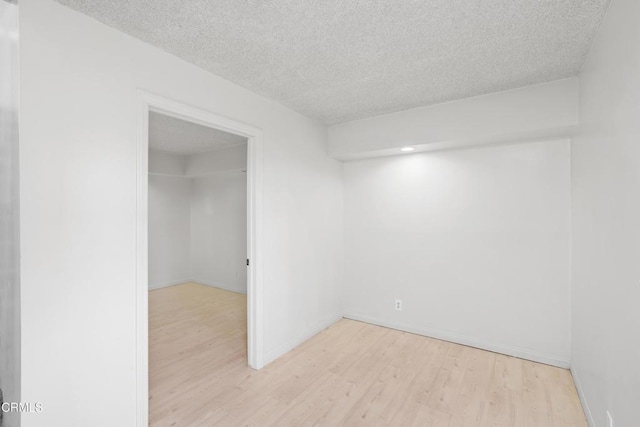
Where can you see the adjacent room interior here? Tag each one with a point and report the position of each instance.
(197, 205)
(446, 205)
(197, 197)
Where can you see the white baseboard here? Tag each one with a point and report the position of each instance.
(296, 341)
(583, 399)
(167, 284)
(219, 286)
(465, 340)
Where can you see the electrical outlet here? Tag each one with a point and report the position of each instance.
(399, 304)
(609, 419)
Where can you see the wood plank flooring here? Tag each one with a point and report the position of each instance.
(351, 374)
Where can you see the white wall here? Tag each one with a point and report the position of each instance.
(219, 230)
(167, 163)
(475, 243)
(543, 111)
(219, 218)
(606, 213)
(169, 230)
(78, 190)
(198, 218)
(227, 159)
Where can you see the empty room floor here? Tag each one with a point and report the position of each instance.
(352, 373)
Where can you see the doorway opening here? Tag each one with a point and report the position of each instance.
(199, 206)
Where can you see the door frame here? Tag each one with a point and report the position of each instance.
(255, 351)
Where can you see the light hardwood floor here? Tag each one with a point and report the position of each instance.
(351, 374)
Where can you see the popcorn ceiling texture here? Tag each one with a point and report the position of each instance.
(183, 137)
(337, 60)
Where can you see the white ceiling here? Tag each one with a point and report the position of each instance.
(338, 60)
(179, 136)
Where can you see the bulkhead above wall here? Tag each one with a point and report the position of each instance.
(534, 113)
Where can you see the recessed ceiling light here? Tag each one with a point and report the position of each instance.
(407, 149)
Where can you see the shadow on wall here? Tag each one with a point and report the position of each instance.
(9, 213)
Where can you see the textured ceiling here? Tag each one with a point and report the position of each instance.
(338, 60)
(182, 137)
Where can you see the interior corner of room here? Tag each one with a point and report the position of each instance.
(197, 205)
